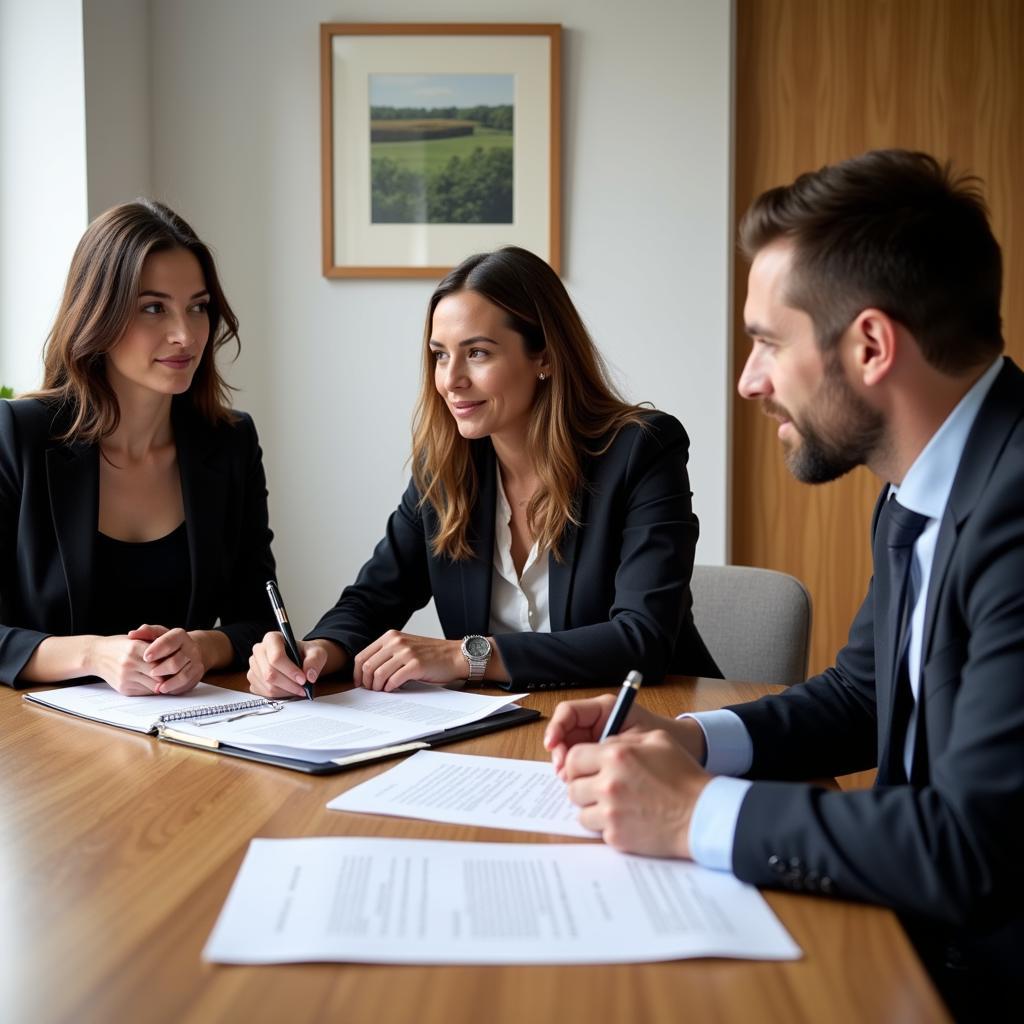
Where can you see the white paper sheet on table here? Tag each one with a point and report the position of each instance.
(372, 900)
(467, 789)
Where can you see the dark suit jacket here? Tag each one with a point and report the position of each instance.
(619, 600)
(49, 509)
(948, 857)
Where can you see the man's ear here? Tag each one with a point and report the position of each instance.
(872, 344)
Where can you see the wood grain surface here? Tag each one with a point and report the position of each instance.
(117, 852)
(818, 81)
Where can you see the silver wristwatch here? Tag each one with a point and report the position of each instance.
(477, 651)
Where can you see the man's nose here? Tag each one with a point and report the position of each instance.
(754, 381)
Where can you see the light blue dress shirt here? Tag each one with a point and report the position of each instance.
(925, 490)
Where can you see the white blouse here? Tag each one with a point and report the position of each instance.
(519, 604)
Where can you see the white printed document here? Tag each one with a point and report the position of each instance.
(467, 789)
(395, 901)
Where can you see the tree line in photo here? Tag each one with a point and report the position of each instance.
(498, 117)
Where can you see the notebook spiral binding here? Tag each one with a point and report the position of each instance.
(217, 709)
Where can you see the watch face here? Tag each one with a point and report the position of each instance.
(477, 647)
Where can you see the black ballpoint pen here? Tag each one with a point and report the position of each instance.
(281, 614)
(622, 704)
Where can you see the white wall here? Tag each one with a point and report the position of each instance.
(118, 106)
(330, 368)
(42, 174)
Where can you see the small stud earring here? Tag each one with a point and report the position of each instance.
(542, 376)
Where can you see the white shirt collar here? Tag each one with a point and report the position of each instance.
(925, 488)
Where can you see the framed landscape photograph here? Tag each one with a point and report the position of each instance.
(438, 141)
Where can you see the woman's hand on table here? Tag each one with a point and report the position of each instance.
(396, 658)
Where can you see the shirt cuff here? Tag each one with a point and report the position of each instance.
(730, 750)
(713, 825)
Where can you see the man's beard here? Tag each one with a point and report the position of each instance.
(840, 432)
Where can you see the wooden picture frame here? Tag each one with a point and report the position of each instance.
(410, 190)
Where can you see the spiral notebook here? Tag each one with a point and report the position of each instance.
(318, 737)
(99, 703)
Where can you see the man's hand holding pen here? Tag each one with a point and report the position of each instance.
(638, 788)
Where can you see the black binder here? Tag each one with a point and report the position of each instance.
(502, 720)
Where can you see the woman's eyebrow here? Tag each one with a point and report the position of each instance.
(164, 295)
(469, 341)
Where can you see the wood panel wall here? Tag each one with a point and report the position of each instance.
(818, 81)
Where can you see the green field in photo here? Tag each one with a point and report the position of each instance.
(432, 155)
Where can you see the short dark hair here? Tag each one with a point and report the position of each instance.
(898, 231)
(99, 299)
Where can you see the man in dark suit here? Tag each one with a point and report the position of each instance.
(873, 309)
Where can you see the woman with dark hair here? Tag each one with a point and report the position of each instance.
(549, 520)
(133, 505)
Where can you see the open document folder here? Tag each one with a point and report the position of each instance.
(426, 902)
(322, 735)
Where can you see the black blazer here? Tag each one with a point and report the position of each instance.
(948, 856)
(619, 600)
(49, 510)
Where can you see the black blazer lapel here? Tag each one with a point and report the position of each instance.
(885, 691)
(999, 413)
(204, 495)
(562, 574)
(476, 571)
(73, 477)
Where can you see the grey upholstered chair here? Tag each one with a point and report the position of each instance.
(755, 622)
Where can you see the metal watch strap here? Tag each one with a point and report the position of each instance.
(477, 666)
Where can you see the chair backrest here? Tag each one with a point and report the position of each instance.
(755, 622)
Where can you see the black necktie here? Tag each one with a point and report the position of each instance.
(902, 527)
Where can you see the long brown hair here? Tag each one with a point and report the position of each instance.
(99, 301)
(577, 405)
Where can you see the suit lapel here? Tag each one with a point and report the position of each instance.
(999, 413)
(561, 574)
(73, 476)
(203, 494)
(885, 640)
(476, 571)
(949, 530)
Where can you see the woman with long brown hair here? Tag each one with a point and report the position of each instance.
(133, 505)
(549, 520)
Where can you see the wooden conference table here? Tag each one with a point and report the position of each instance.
(117, 852)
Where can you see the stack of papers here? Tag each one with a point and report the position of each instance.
(326, 729)
(330, 728)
